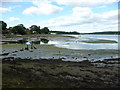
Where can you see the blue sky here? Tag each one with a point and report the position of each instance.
(62, 15)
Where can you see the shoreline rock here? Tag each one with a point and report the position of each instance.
(55, 73)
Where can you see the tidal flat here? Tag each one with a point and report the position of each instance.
(50, 51)
(55, 73)
(51, 66)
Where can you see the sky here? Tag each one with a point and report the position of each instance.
(62, 15)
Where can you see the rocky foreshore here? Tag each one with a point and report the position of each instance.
(55, 73)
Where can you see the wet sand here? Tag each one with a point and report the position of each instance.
(50, 51)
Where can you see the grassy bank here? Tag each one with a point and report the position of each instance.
(39, 35)
(101, 41)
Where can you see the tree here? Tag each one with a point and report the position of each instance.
(35, 28)
(45, 30)
(3, 26)
(19, 29)
(28, 31)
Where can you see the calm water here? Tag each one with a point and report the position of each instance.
(79, 49)
(79, 44)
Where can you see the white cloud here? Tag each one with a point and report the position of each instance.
(84, 2)
(86, 28)
(81, 12)
(11, 19)
(42, 7)
(8, 9)
(3, 10)
(101, 6)
(14, 0)
(79, 16)
(85, 19)
(85, 16)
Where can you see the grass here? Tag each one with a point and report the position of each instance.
(13, 45)
(101, 41)
(59, 52)
(41, 35)
(62, 55)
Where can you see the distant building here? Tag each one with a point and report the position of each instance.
(34, 32)
(53, 33)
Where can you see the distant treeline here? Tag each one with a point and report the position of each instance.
(63, 32)
(107, 32)
(20, 29)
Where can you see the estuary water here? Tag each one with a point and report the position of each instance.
(88, 42)
(82, 47)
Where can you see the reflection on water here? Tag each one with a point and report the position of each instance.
(42, 41)
(80, 42)
(82, 45)
(83, 49)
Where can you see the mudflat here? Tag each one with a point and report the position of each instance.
(55, 73)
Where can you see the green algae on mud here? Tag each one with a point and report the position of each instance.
(46, 73)
(53, 48)
(50, 51)
(101, 41)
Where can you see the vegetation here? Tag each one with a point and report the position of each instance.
(33, 29)
(45, 30)
(107, 32)
(101, 41)
(63, 32)
(19, 29)
(22, 30)
(3, 25)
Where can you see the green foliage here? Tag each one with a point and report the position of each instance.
(45, 30)
(35, 28)
(63, 32)
(3, 26)
(19, 29)
(106, 32)
(28, 32)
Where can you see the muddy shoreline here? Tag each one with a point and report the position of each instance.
(55, 73)
(48, 66)
(50, 51)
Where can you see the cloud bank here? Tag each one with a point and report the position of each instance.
(12, 19)
(42, 8)
(85, 3)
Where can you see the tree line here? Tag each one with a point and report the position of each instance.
(63, 32)
(20, 29)
(105, 32)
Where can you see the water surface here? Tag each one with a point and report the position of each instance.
(80, 42)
